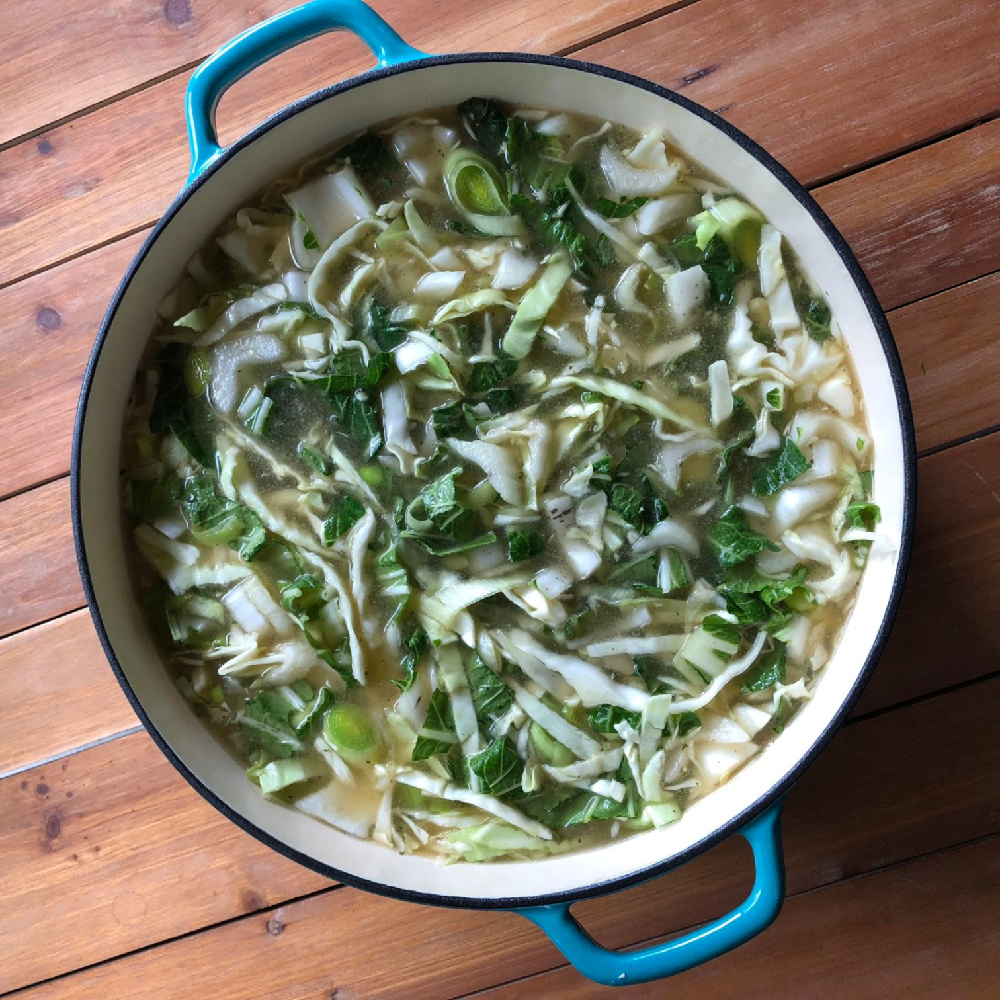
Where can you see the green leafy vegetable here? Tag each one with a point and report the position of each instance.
(524, 545)
(640, 572)
(817, 318)
(620, 209)
(304, 720)
(386, 334)
(448, 546)
(309, 241)
(863, 514)
(604, 251)
(683, 724)
(626, 502)
(344, 513)
(499, 769)
(416, 644)
(174, 409)
(719, 628)
(648, 669)
(488, 125)
(780, 470)
(152, 498)
(320, 462)
(767, 671)
(359, 419)
(490, 695)
(486, 375)
(555, 230)
(345, 372)
(372, 158)
(732, 540)
(504, 399)
(265, 724)
(716, 260)
(216, 520)
(455, 420)
(773, 398)
(604, 718)
(437, 735)
(302, 597)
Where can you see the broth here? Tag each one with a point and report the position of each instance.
(497, 483)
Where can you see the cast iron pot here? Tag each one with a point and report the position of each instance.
(407, 81)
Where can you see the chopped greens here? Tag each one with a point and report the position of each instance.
(779, 471)
(494, 483)
(344, 513)
(732, 540)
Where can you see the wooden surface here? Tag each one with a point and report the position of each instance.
(118, 881)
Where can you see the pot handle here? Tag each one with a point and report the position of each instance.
(754, 914)
(264, 41)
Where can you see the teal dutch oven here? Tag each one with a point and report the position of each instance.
(406, 81)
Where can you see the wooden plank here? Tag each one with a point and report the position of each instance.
(113, 47)
(948, 347)
(849, 86)
(864, 804)
(926, 221)
(70, 183)
(38, 577)
(130, 852)
(50, 322)
(57, 691)
(922, 931)
(946, 631)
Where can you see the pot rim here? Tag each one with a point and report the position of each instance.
(768, 797)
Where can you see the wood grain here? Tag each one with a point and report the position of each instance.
(947, 344)
(57, 691)
(849, 86)
(38, 578)
(115, 169)
(50, 322)
(922, 931)
(863, 805)
(927, 221)
(113, 47)
(130, 852)
(947, 630)
(121, 47)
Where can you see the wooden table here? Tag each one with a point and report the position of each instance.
(118, 881)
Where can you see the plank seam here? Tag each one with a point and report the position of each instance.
(63, 754)
(919, 699)
(208, 928)
(637, 22)
(79, 253)
(876, 161)
(91, 108)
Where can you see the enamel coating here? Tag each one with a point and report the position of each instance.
(256, 45)
(754, 914)
(220, 181)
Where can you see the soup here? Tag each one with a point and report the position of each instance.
(497, 484)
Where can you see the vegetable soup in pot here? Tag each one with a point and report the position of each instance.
(497, 483)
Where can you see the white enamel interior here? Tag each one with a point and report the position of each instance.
(315, 128)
